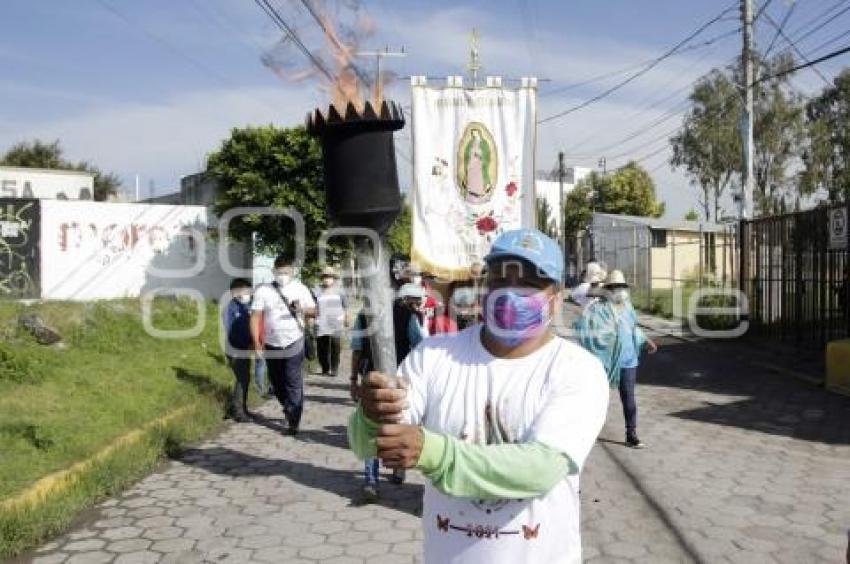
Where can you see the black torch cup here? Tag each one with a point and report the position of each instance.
(361, 186)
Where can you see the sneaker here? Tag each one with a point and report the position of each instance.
(371, 493)
(632, 441)
(398, 476)
(241, 418)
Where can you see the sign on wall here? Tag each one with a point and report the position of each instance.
(473, 171)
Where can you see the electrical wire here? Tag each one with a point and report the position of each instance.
(812, 63)
(361, 75)
(822, 25)
(795, 33)
(646, 69)
(270, 11)
(601, 77)
(829, 42)
(793, 46)
(779, 28)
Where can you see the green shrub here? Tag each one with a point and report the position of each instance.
(717, 321)
(19, 365)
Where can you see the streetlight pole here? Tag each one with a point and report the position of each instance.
(562, 212)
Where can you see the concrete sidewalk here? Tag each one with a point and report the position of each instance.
(742, 466)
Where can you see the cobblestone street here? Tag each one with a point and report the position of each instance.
(742, 466)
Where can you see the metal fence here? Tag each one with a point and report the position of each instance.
(663, 266)
(798, 288)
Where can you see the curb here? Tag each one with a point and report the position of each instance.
(63, 479)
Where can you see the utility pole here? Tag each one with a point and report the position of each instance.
(562, 212)
(603, 165)
(379, 55)
(746, 201)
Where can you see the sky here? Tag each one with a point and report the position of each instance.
(150, 88)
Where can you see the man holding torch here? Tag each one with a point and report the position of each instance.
(499, 417)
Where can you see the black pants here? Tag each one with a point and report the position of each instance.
(242, 371)
(284, 370)
(328, 352)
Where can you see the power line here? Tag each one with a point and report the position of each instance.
(362, 76)
(675, 112)
(793, 45)
(647, 129)
(779, 28)
(794, 69)
(270, 11)
(832, 18)
(168, 45)
(830, 41)
(641, 72)
(625, 70)
(814, 20)
(762, 9)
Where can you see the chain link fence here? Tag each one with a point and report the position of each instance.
(665, 263)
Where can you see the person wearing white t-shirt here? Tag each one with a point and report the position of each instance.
(499, 417)
(331, 321)
(278, 313)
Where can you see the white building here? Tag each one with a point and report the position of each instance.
(45, 184)
(551, 190)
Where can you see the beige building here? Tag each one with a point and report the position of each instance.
(660, 253)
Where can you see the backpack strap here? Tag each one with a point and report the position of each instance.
(289, 306)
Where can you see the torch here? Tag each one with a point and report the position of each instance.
(361, 185)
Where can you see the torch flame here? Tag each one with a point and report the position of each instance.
(334, 65)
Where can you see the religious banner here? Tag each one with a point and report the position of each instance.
(473, 170)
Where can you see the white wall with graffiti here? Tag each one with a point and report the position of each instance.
(98, 250)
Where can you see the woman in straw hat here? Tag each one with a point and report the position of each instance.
(608, 328)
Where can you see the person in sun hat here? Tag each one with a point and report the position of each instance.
(331, 321)
(592, 277)
(608, 328)
(499, 418)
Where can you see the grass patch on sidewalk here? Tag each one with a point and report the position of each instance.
(62, 406)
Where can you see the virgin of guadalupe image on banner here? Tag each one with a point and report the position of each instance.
(473, 170)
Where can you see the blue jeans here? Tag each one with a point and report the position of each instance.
(373, 465)
(285, 371)
(261, 383)
(628, 377)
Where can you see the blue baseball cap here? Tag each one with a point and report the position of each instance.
(533, 246)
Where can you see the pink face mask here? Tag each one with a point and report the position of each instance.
(513, 318)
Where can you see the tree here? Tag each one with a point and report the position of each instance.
(827, 153)
(545, 220)
(272, 167)
(692, 215)
(779, 131)
(709, 145)
(628, 190)
(400, 233)
(38, 154)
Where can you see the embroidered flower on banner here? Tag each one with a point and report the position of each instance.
(511, 188)
(486, 224)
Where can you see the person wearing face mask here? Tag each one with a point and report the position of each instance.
(592, 278)
(281, 309)
(499, 418)
(236, 320)
(331, 320)
(608, 328)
